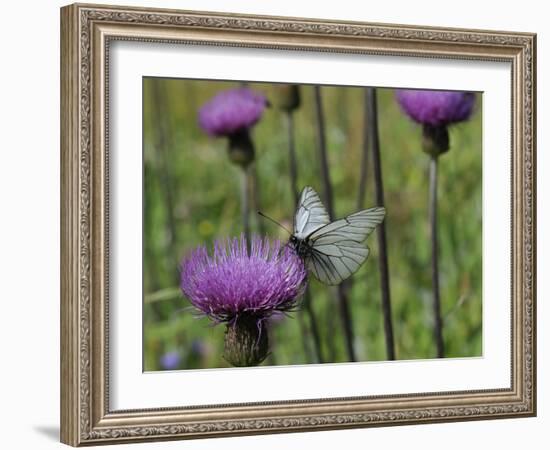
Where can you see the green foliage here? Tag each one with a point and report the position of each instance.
(191, 197)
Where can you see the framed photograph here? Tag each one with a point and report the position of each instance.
(277, 225)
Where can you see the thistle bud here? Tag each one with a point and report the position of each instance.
(286, 96)
(241, 148)
(436, 111)
(435, 140)
(246, 342)
(231, 114)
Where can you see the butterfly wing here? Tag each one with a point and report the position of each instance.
(337, 249)
(310, 214)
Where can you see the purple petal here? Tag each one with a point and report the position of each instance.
(231, 110)
(233, 281)
(436, 108)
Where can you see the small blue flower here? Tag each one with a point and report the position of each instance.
(170, 360)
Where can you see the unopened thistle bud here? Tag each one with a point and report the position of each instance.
(286, 96)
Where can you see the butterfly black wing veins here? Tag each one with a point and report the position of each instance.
(310, 214)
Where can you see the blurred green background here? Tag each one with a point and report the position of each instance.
(191, 197)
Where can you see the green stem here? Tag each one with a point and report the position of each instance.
(293, 172)
(292, 163)
(158, 100)
(438, 322)
(372, 117)
(255, 196)
(363, 169)
(343, 301)
(245, 205)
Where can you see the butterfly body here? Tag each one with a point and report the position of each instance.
(302, 246)
(332, 251)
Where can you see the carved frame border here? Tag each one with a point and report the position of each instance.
(86, 31)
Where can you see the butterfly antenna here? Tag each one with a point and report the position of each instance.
(274, 221)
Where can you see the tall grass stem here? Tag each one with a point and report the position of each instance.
(372, 117)
(245, 204)
(255, 196)
(162, 143)
(293, 173)
(292, 164)
(328, 196)
(365, 155)
(438, 322)
(322, 149)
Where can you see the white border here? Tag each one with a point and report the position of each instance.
(130, 388)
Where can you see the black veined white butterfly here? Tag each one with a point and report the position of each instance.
(332, 251)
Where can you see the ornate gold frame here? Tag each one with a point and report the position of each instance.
(86, 31)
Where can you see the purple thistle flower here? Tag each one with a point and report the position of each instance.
(243, 289)
(170, 360)
(436, 108)
(231, 111)
(233, 282)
